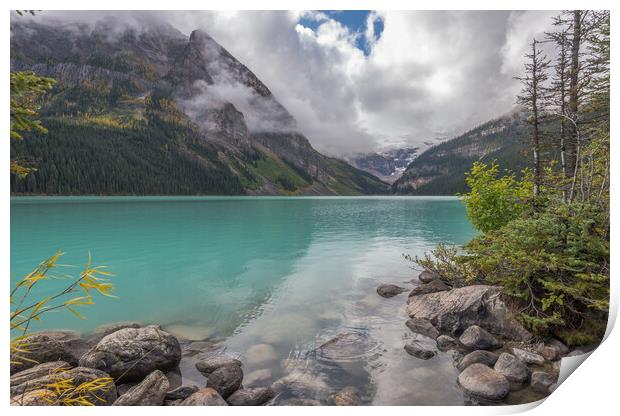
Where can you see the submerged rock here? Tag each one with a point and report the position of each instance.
(181, 393)
(251, 397)
(417, 350)
(344, 346)
(423, 327)
(487, 358)
(133, 353)
(258, 376)
(457, 309)
(528, 357)
(445, 342)
(226, 380)
(542, 382)
(300, 402)
(301, 383)
(209, 365)
(477, 338)
(261, 353)
(512, 368)
(427, 276)
(432, 287)
(349, 396)
(149, 392)
(388, 290)
(204, 397)
(483, 382)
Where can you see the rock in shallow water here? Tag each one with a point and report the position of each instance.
(542, 382)
(209, 365)
(204, 397)
(133, 353)
(455, 310)
(181, 393)
(47, 346)
(427, 276)
(302, 383)
(423, 327)
(388, 291)
(528, 357)
(477, 338)
(483, 382)
(512, 368)
(258, 377)
(149, 392)
(226, 380)
(349, 396)
(416, 349)
(260, 354)
(445, 342)
(251, 397)
(432, 287)
(487, 358)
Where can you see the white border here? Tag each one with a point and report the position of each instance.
(592, 389)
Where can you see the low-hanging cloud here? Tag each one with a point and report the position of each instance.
(430, 74)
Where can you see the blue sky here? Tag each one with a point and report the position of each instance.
(354, 20)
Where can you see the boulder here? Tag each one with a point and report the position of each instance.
(149, 392)
(528, 357)
(389, 291)
(343, 347)
(487, 358)
(348, 396)
(418, 350)
(181, 393)
(445, 342)
(209, 365)
(204, 397)
(552, 350)
(482, 382)
(104, 395)
(251, 397)
(38, 371)
(477, 338)
(432, 287)
(103, 330)
(542, 382)
(41, 397)
(423, 327)
(226, 380)
(260, 354)
(300, 402)
(47, 346)
(427, 276)
(302, 383)
(258, 376)
(457, 309)
(134, 353)
(512, 368)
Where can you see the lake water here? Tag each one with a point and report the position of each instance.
(272, 278)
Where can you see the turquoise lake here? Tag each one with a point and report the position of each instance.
(282, 271)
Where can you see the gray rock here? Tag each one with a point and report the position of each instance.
(427, 276)
(39, 397)
(477, 338)
(38, 371)
(528, 357)
(104, 396)
(251, 397)
(211, 364)
(575, 353)
(302, 383)
(101, 331)
(300, 402)
(47, 346)
(133, 353)
(455, 310)
(388, 291)
(512, 368)
(181, 393)
(343, 346)
(417, 350)
(432, 287)
(445, 342)
(226, 380)
(542, 382)
(258, 377)
(204, 397)
(349, 396)
(487, 358)
(483, 382)
(558, 345)
(423, 327)
(552, 350)
(124, 388)
(149, 392)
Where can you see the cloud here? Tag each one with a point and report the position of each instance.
(430, 74)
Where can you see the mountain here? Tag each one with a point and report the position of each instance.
(150, 111)
(388, 165)
(440, 170)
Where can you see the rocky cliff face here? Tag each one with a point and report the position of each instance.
(388, 165)
(107, 70)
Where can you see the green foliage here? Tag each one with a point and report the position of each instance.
(445, 261)
(495, 200)
(26, 91)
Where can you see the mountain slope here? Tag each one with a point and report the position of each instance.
(440, 170)
(150, 111)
